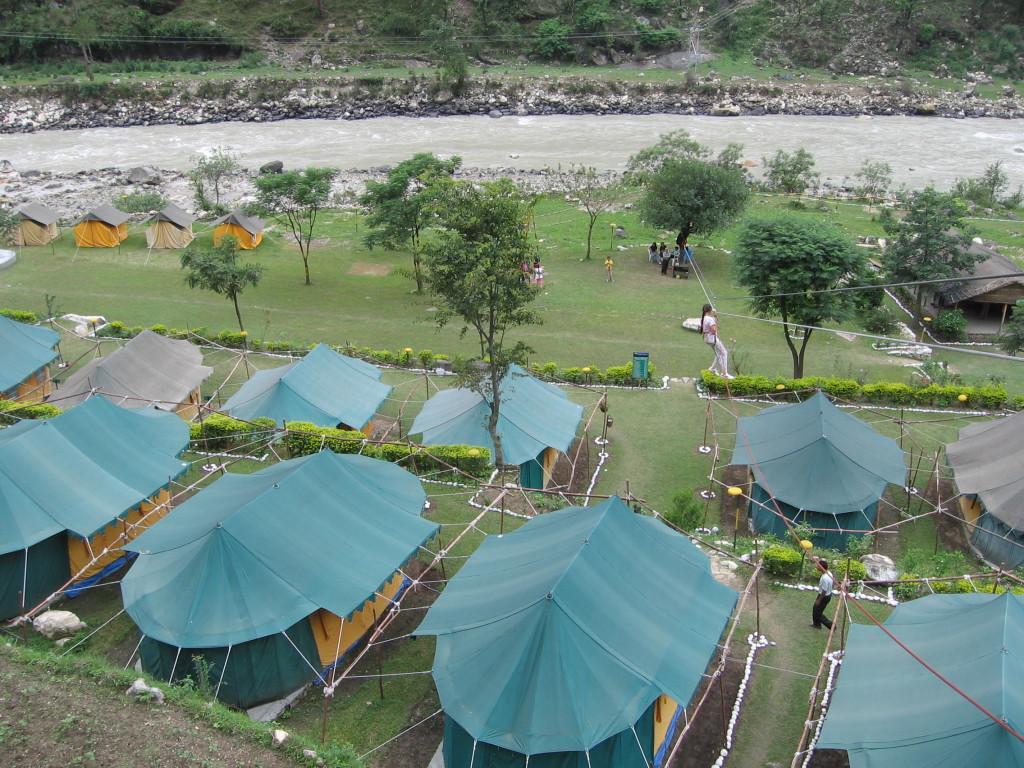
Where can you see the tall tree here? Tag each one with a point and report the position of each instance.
(788, 173)
(780, 260)
(210, 170)
(693, 196)
(295, 199)
(84, 30)
(677, 145)
(217, 269)
(597, 195)
(931, 242)
(874, 178)
(399, 209)
(474, 268)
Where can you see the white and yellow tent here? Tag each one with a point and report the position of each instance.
(102, 227)
(247, 230)
(38, 225)
(170, 228)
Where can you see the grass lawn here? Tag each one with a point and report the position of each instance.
(359, 297)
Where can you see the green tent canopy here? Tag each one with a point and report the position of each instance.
(77, 472)
(534, 415)
(815, 464)
(324, 388)
(986, 463)
(889, 711)
(562, 635)
(24, 350)
(251, 555)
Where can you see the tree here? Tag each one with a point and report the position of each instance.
(596, 194)
(9, 222)
(875, 178)
(474, 268)
(217, 269)
(781, 260)
(931, 242)
(695, 197)
(296, 198)
(677, 145)
(84, 30)
(788, 173)
(399, 209)
(452, 62)
(1011, 340)
(210, 171)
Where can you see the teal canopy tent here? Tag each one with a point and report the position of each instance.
(889, 711)
(534, 416)
(25, 350)
(986, 463)
(325, 388)
(253, 556)
(67, 478)
(812, 463)
(558, 640)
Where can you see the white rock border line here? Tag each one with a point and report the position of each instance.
(858, 595)
(756, 643)
(835, 659)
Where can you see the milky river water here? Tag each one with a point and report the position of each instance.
(921, 150)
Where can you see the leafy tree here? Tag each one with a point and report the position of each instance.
(84, 31)
(399, 209)
(9, 221)
(695, 197)
(209, 172)
(296, 198)
(452, 62)
(552, 41)
(474, 268)
(217, 269)
(988, 190)
(930, 242)
(780, 260)
(874, 178)
(677, 145)
(592, 16)
(788, 173)
(1011, 340)
(595, 193)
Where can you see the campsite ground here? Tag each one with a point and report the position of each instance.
(652, 453)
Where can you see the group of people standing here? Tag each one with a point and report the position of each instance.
(533, 274)
(660, 254)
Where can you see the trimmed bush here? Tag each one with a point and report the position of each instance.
(12, 411)
(218, 432)
(782, 561)
(21, 316)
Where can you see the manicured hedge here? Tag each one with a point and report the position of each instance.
(19, 411)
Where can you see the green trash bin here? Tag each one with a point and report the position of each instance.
(640, 365)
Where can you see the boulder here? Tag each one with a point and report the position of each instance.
(725, 109)
(620, 233)
(274, 166)
(880, 567)
(56, 624)
(144, 174)
(142, 692)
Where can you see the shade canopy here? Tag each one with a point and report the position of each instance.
(24, 350)
(813, 456)
(324, 388)
(987, 461)
(889, 711)
(534, 415)
(149, 370)
(560, 635)
(81, 470)
(252, 555)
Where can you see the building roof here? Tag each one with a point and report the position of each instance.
(24, 349)
(994, 263)
(38, 213)
(325, 388)
(106, 213)
(81, 470)
(251, 555)
(534, 415)
(889, 711)
(561, 634)
(811, 455)
(149, 370)
(987, 461)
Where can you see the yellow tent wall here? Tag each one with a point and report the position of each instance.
(664, 713)
(334, 636)
(33, 233)
(164, 234)
(548, 463)
(245, 240)
(189, 408)
(970, 508)
(82, 551)
(96, 234)
(35, 387)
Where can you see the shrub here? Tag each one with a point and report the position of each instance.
(855, 572)
(20, 316)
(552, 40)
(950, 325)
(907, 590)
(685, 512)
(427, 359)
(160, 329)
(881, 320)
(218, 432)
(140, 202)
(782, 561)
(12, 411)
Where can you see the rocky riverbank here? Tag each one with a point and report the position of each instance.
(128, 102)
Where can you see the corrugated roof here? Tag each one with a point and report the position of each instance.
(994, 264)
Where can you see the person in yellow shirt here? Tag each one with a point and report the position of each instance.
(608, 265)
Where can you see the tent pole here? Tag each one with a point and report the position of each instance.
(842, 605)
(938, 498)
(380, 661)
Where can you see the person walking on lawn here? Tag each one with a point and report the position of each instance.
(826, 584)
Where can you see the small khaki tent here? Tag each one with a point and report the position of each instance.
(150, 370)
(38, 225)
(170, 228)
(26, 352)
(247, 230)
(103, 227)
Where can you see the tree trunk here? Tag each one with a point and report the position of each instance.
(305, 264)
(590, 235)
(87, 55)
(238, 313)
(417, 271)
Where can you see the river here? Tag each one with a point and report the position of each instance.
(921, 150)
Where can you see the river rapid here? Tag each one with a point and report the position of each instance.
(921, 150)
